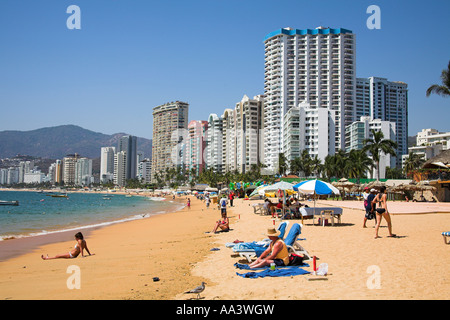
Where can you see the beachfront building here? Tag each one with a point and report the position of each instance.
(431, 137)
(34, 177)
(145, 170)
(107, 164)
(242, 136)
(311, 129)
(386, 100)
(128, 144)
(358, 131)
(83, 172)
(195, 146)
(214, 143)
(120, 168)
(315, 66)
(170, 123)
(229, 141)
(69, 164)
(25, 167)
(3, 176)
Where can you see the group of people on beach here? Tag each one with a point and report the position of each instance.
(371, 199)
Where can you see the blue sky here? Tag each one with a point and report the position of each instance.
(131, 56)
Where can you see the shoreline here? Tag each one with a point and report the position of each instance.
(176, 248)
(126, 258)
(16, 246)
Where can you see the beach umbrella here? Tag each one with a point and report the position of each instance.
(258, 191)
(316, 187)
(281, 186)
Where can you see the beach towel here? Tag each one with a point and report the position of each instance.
(279, 272)
(258, 247)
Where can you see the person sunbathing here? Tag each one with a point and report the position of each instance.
(223, 224)
(277, 252)
(79, 247)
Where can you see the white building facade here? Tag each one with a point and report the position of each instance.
(315, 66)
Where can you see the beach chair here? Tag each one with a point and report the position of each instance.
(446, 236)
(327, 214)
(250, 250)
(293, 243)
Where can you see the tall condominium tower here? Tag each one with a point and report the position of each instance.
(214, 143)
(242, 135)
(386, 100)
(128, 144)
(170, 123)
(314, 66)
(195, 146)
(107, 164)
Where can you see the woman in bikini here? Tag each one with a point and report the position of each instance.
(382, 212)
(79, 247)
(223, 224)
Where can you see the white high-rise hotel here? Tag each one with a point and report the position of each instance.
(310, 66)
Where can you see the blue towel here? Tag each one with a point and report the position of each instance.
(279, 272)
(250, 246)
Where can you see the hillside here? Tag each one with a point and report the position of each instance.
(57, 142)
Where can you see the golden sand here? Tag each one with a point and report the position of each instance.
(175, 248)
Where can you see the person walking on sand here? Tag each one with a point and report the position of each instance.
(382, 212)
(189, 203)
(79, 248)
(223, 205)
(370, 211)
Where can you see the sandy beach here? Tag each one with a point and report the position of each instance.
(176, 248)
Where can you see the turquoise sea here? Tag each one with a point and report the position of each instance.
(40, 213)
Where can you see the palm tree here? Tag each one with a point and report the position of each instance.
(444, 89)
(377, 145)
(357, 164)
(282, 164)
(413, 162)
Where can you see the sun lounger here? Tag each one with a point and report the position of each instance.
(250, 250)
(293, 243)
(446, 236)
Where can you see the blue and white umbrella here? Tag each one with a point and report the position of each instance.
(316, 187)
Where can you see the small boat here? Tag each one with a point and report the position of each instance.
(9, 203)
(59, 195)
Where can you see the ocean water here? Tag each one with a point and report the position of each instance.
(39, 213)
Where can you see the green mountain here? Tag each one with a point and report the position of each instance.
(57, 142)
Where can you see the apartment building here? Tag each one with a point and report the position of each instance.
(107, 164)
(242, 135)
(195, 146)
(433, 137)
(170, 123)
(308, 128)
(358, 131)
(385, 100)
(214, 143)
(314, 66)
